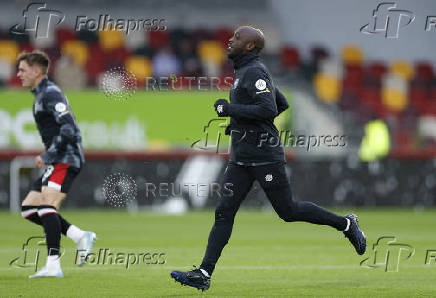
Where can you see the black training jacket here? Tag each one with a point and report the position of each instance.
(57, 126)
(254, 103)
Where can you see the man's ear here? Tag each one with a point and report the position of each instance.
(36, 70)
(250, 46)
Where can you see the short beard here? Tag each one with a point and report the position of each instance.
(232, 55)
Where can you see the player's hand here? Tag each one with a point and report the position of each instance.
(39, 163)
(221, 107)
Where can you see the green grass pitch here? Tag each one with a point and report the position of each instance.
(264, 258)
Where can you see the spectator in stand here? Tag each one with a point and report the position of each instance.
(191, 65)
(68, 74)
(165, 63)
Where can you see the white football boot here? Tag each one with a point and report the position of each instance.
(84, 247)
(48, 271)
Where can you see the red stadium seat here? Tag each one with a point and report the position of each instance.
(353, 78)
(371, 98)
(354, 73)
(96, 64)
(116, 57)
(431, 109)
(418, 98)
(424, 71)
(376, 70)
(26, 46)
(432, 95)
(223, 35)
(349, 84)
(290, 57)
(158, 39)
(402, 139)
(14, 81)
(64, 34)
(54, 53)
(424, 100)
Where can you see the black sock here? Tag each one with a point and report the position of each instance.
(31, 213)
(52, 228)
(64, 225)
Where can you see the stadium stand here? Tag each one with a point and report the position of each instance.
(400, 92)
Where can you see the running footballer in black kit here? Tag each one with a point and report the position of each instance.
(63, 158)
(255, 155)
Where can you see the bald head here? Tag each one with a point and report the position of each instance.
(253, 35)
(246, 39)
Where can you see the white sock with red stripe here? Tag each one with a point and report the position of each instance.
(74, 233)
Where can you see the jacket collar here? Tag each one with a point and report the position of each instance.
(41, 84)
(244, 59)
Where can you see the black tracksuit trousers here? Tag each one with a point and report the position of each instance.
(275, 183)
